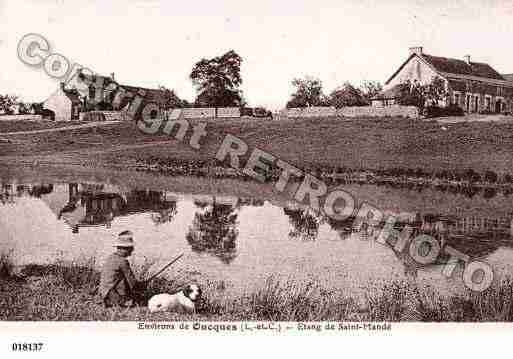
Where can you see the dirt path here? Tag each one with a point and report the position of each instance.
(66, 128)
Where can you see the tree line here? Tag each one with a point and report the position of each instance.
(11, 104)
(218, 82)
(308, 91)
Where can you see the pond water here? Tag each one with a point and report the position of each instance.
(238, 232)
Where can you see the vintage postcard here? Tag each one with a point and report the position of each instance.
(237, 168)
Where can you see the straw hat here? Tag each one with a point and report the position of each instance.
(125, 239)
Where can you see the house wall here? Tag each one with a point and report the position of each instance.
(415, 69)
(383, 102)
(476, 96)
(60, 104)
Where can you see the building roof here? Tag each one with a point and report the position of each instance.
(391, 93)
(448, 65)
(461, 67)
(158, 96)
(508, 77)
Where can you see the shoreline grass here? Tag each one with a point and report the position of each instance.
(62, 292)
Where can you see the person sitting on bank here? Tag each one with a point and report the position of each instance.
(118, 285)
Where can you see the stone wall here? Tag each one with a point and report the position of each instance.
(314, 111)
(357, 111)
(387, 111)
(20, 117)
(228, 112)
(204, 113)
(95, 116)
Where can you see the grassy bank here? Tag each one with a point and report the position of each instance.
(31, 125)
(358, 144)
(63, 292)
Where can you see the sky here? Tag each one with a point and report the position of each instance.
(151, 43)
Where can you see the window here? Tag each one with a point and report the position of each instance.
(456, 98)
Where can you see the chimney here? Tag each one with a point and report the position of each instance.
(467, 59)
(112, 76)
(416, 50)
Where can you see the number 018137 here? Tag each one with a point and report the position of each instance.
(27, 347)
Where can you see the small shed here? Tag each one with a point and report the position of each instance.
(65, 104)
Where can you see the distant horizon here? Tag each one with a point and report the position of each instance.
(153, 43)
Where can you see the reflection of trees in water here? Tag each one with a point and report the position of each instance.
(7, 194)
(9, 191)
(251, 202)
(343, 227)
(489, 192)
(214, 231)
(470, 191)
(305, 226)
(164, 215)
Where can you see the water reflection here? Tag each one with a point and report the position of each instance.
(92, 204)
(304, 223)
(214, 230)
(210, 224)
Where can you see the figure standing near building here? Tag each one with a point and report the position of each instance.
(118, 285)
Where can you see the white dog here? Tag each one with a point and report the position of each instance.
(182, 301)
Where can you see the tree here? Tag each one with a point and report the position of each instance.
(171, 100)
(435, 92)
(347, 95)
(370, 89)
(415, 94)
(308, 92)
(7, 103)
(215, 231)
(218, 81)
(411, 94)
(24, 108)
(304, 225)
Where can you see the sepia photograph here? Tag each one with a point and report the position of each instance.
(245, 167)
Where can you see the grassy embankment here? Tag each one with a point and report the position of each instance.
(62, 292)
(356, 144)
(31, 125)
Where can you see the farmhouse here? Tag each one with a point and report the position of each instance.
(116, 97)
(102, 93)
(473, 86)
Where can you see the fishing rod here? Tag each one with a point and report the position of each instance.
(163, 269)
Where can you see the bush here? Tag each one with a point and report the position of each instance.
(471, 175)
(48, 114)
(435, 111)
(490, 177)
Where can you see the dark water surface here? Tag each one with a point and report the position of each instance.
(238, 232)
